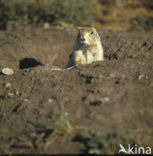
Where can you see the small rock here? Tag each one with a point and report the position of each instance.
(46, 26)
(123, 76)
(25, 100)
(7, 71)
(17, 92)
(140, 76)
(10, 95)
(112, 75)
(50, 100)
(7, 85)
(94, 151)
(66, 113)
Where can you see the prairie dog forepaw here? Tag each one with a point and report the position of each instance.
(88, 47)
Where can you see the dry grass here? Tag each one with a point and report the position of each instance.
(123, 16)
(128, 16)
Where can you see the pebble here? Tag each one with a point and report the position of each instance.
(50, 100)
(17, 92)
(112, 75)
(140, 76)
(10, 95)
(46, 26)
(66, 113)
(25, 100)
(7, 71)
(8, 85)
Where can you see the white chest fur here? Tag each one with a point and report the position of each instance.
(88, 47)
(88, 55)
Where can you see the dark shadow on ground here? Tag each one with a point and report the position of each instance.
(28, 63)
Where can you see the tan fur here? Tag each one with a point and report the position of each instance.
(88, 47)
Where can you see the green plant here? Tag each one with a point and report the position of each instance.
(75, 12)
(98, 143)
(20, 13)
(59, 125)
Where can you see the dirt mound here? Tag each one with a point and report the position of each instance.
(113, 94)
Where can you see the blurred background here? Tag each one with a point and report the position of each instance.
(116, 15)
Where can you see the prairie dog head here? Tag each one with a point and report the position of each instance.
(88, 37)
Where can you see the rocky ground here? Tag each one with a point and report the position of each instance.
(51, 111)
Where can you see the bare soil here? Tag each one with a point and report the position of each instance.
(36, 94)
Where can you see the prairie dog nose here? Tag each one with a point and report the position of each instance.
(82, 39)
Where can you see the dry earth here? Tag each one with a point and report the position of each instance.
(36, 94)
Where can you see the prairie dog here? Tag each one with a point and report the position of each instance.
(88, 47)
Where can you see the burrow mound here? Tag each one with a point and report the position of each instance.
(36, 94)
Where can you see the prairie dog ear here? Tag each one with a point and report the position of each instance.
(94, 30)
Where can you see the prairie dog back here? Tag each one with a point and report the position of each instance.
(88, 47)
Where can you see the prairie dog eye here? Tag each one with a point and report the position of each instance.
(92, 33)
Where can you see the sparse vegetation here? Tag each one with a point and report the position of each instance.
(19, 14)
(98, 143)
(59, 125)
